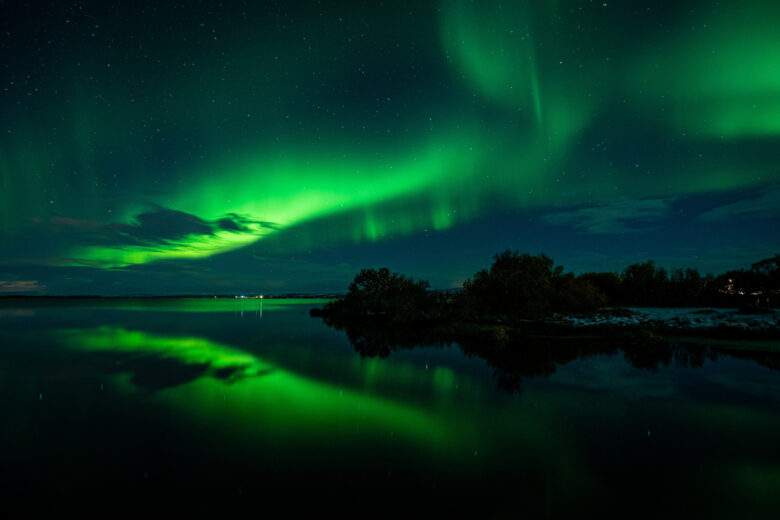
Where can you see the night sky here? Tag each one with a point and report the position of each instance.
(219, 147)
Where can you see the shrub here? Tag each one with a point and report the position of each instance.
(383, 294)
(577, 294)
(521, 286)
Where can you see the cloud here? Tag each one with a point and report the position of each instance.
(239, 223)
(157, 225)
(163, 234)
(162, 226)
(764, 203)
(158, 233)
(615, 217)
(21, 286)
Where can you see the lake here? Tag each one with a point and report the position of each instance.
(250, 402)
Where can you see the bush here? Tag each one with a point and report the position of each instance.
(644, 284)
(521, 286)
(383, 294)
(607, 283)
(577, 294)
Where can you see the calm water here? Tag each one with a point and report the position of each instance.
(226, 401)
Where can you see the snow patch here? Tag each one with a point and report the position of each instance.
(681, 318)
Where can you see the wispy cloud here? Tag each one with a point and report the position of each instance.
(21, 286)
(164, 234)
(765, 203)
(156, 233)
(615, 217)
(162, 225)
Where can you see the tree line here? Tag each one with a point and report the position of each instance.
(520, 286)
(645, 284)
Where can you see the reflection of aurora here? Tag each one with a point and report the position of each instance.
(204, 305)
(258, 394)
(260, 404)
(550, 430)
(528, 81)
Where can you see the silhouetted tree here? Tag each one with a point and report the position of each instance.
(608, 283)
(769, 271)
(384, 311)
(644, 284)
(685, 288)
(576, 294)
(515, 286)
(770, 267)
(380, 293)
(522, 286)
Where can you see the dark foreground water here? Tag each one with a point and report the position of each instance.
(222, 401)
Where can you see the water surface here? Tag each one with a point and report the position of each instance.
(248, 400)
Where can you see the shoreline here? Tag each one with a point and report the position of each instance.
(622, 325)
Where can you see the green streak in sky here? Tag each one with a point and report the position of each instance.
(719, 78)
(287, 188)
(495, 50)
(191, 246)
(519, 110)
(504, 51)
(290, 188)
(536, 93)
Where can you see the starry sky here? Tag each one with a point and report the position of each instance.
(262, 146)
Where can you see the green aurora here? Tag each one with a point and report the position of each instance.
(721, 80)
(359, 128)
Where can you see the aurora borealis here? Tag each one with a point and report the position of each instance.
(280, 146)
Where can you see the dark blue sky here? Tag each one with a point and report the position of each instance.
(158, 148)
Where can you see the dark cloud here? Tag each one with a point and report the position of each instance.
(238, 223)
(163, 224)
(50, 241)
(763, 203)
(615, 217)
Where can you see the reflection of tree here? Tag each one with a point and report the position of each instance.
(692, 357)
(507, 315)
(515, 355)
(376, 337)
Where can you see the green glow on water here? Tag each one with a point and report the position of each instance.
(209, 305)
(423, 410)
(188, 350)
(759, 483)
(444, 380)
(264, 398)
